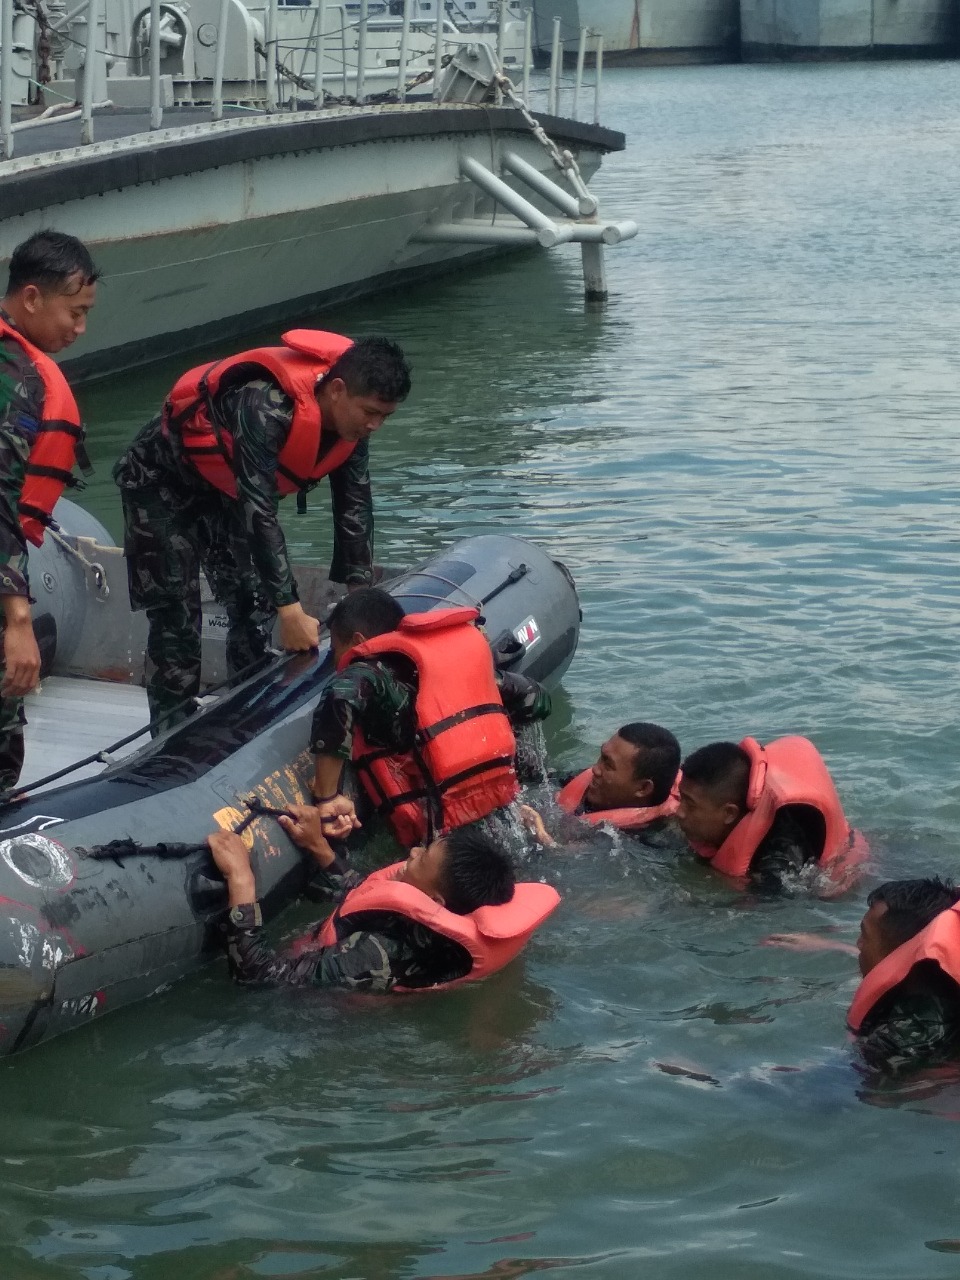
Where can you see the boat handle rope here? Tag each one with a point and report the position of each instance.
(14, 794)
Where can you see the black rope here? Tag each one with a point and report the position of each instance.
(13, 794)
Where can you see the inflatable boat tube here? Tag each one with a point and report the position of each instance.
(81, 935)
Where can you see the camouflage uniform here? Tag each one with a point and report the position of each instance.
(391, 950)
(21, 411)
(782, 853)
(380, 694)
(917, 1024)
(176, 523)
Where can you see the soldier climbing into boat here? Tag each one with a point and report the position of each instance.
(201, 484)
(51, 289)
(419, 708)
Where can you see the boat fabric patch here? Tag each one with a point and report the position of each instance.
(39, 861)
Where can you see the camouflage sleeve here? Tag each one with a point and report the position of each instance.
(361, 961)
(369, 693)
(917, 1029)
(21, 411)
(331, 729)
(523, 699)
(259, 415)
(352, 504)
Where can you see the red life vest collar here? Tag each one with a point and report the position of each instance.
(570, 798)
(53, 453)
(460, 766)
(939, 942)
(788, 771)
(492, 936)
(297, 366)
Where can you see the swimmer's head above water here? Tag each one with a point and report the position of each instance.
(713, 793)
(636, 768)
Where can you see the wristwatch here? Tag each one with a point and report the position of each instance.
(246, 916)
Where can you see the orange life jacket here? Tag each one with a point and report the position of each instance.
(296, 366)
(570, 798)
(53, 453)
(460, 767)
(491, 935)
(939, 942)
(789, 771)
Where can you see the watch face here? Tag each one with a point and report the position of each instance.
(236, 915)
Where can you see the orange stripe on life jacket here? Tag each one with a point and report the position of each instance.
(461, 767)
(570, 798)
(54, 451)
(939, 942)
(491, 935)
(306, 356)
(789, 771)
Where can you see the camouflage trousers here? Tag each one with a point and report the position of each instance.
(12, 721)
(169, 536)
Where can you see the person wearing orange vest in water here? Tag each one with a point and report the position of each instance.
(419, 708)
(51, 290)
(631, 786)
(763, 813)
(201, 486)
(451, 913)
(906, 1011)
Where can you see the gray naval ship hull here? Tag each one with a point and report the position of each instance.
(813, 29)
(207, 230)
(644, 31)
(81, 935)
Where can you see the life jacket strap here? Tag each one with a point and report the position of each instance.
(31, 512)
(51, 473)
(450, 722)
(497, 762)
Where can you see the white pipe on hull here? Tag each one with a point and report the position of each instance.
(6, 79)
(156, 110)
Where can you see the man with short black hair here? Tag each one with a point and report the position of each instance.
(630, 787)
(906, 1011)
(50, 292)
(376, 696)
(201, 485)
(379, 950)
(713, 801)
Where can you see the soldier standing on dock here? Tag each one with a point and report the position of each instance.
(201, 485)
(51, 289)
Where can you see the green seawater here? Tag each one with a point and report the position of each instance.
(751, 462)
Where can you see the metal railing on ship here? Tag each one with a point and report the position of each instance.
(316, 49)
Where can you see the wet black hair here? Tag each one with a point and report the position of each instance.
(658, 756)
(476, 872)
(49, 259)
(723, 768)
(373, 367)
(911, 905)
(369, 610)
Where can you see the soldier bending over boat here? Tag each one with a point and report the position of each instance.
(51, 289)
(201, 485)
